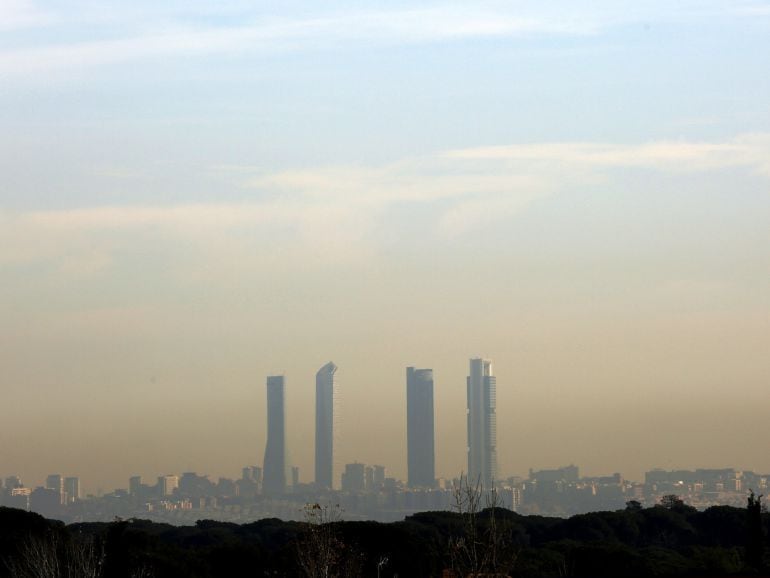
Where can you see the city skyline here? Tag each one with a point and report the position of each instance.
(196, 195)
(280, 448)
(558, 491)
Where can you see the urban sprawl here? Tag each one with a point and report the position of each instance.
(365, 491)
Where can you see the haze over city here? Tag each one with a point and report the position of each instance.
(194, 197)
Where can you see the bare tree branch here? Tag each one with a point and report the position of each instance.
(484, 546)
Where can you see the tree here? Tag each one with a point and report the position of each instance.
(321, 552)
(755, 538)
(38, 557)
(58, 556)
(633, 506)
(671, 502)
(484, 547)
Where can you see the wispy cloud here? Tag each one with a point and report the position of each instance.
(144, 32)
(751, 8)
(334, 214)
(747, 150)
(270, 34)
(424, 180)
(85, 241)
(16, 14)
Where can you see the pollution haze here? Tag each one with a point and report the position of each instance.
(196, 196)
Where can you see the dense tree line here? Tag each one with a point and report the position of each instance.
(671, 539)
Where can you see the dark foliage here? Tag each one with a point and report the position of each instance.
(671, 539)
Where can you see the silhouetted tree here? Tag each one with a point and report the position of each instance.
(58, 555)
(321, 552)
(671, 502)
(755, 538)
(484, 547)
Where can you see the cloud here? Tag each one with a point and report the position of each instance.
(144, 33)
(272, 34)
(421, 181)
(180, 217)
(469, 215)
(16, 14)
(747, 150)
(462, 197)
(756, 151)
(751, 9)
(342, 214)
(87, 241)
(477, 186)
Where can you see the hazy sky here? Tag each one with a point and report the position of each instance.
(197, 195)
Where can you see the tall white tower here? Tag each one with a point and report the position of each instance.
(482, 423)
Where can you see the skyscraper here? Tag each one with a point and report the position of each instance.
(421, 460)
(353, 478)
(72, 489)
(56, 482)
(325, 409)
(167, 485)
(482, 423)
(274, 468)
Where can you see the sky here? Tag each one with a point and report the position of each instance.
(196, 195)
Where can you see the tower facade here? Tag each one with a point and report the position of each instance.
(325, 410)
(72, 489)
(274, 467)
(420, 439)
(56, 482)
(482, 423)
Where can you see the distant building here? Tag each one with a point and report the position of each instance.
(167, 485)
(250, 482)
(567, 474)
(135, 486)
(510, 498)
(274, 467)
(192, 485)
(12, 482)
(72, 490)
(353, 478)
(17, 497)
(226, 488)
(325, 410)
(379, 477)
(482, 423)
(421, 459)
(46, 502)
(55, 482)
(252, 473)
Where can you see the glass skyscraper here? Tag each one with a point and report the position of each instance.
(420, 440)
(274, 468)
(482, 423)
(325, 410)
